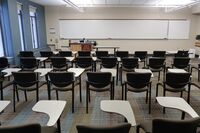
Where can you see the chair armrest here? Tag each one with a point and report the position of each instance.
(192, 83)
(160, 84)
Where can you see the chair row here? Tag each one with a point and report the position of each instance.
(157, 125)
(100, 82)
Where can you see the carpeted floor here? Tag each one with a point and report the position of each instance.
(69, 120)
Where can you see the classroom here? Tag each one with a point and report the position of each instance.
(99, 66)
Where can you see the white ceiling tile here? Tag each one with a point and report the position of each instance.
(125, 2)
(99, 1)
(113, 2)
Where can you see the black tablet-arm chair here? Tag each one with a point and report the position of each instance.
(2, 84)
(84, 53)
(182, 53)
(110, 62)
(59, 63)
(175, 82)
(25, 81)
(27, 128)
(181, 63)
(142, 55)
(26, 54)
(121, 128)
(98, 82)
(159, 54)
(169, 126)
(157, 64)
(4, 63)
(29, 63)
(100, 54)
(122, 54)
(138, 82)
(128, 65)
(85, 62)
(61, 81)
(65, 53)
(47, 54)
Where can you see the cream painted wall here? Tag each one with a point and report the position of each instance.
(53, 14)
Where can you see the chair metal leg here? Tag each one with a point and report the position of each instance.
(113, 89)
(57, 95)
(59, 126)
(181, 94)
(25, 95)
(14, 87)
(146, 96)
(73, 100)
(150, 99)
(126, 90)
(164, 95)
(1, 87)
(80, 88)
(122, 92)
(37, 95)
(49, 90)
(87, 91)
(17, 94)
(159, 76)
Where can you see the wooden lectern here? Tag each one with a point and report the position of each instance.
(81, 46)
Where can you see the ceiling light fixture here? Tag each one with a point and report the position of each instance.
(73, 5)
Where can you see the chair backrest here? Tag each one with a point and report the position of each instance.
(130, 63)
(28, 62)
(138, 80)
(122, 54)
(181, 62)
(99, 79)
(3, 62)
(159, 53)
(59, 62)
(61, 79)
(175, 126)
(101, 54)
(84, 53)
(46, 53)
(122, 128)
(156, 62)
(25, 79)
(26, 54)
(28, 128)
(177, 80)
(65, 53)
(109, 62)
(141, 54)
(84, 62)
(182, 53)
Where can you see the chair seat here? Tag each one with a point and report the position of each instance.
(48, 129)
(62, 88)
(31, 88)
(99, 89)
(137, 89)
(175, 90)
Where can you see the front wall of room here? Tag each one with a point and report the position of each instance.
(12, 27)
(53, 14)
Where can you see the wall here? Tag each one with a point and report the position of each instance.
(53, 14)
(11, 27)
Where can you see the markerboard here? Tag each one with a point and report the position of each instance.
(114, 29)
(179, 29)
